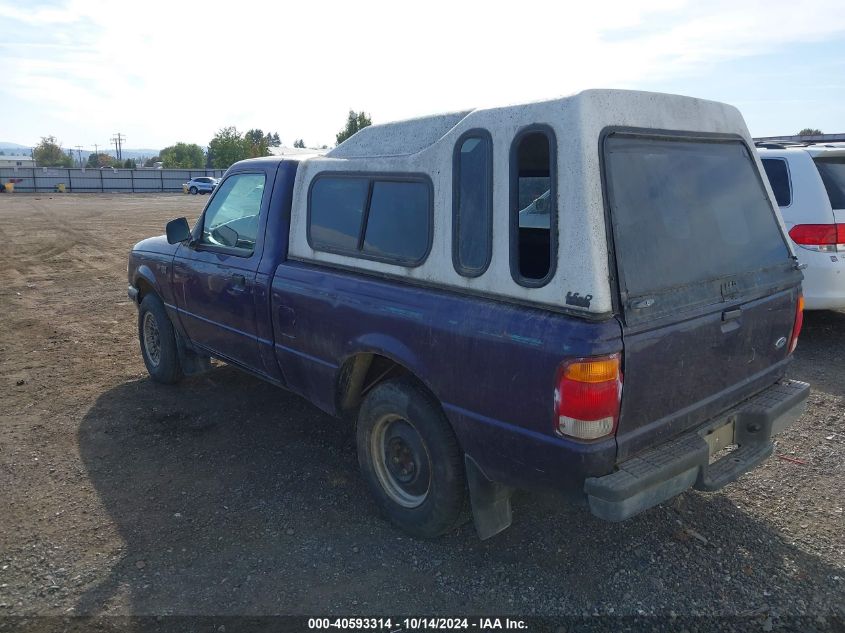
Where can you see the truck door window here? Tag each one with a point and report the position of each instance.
(533, 207)
(472, 203)
(231, 219)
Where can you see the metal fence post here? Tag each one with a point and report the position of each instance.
(161, 179)
(102, 187)
(69, 181)
(132, 179)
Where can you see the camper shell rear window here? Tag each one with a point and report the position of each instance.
(691, 220)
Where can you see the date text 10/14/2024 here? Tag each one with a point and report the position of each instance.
(418, 624)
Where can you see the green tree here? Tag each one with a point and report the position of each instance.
(95, 161)
(151, 162)
(227, 147)
(130, 163)
(48, 153)
(256, 143)
(354, 122)
(183, 156)
(299, 143)
(809, 131)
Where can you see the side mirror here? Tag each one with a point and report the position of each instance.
(178, 231)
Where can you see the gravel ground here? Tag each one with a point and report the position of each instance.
(228, 496)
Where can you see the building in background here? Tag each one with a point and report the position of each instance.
(17, 161)
(805, 138)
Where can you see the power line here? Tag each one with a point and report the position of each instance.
(118, 140)
(79, 153)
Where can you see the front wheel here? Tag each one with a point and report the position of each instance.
(158, 341)
(193, 191)
(410, 459)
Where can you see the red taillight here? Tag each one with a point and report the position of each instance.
(587, 396)
(799, 321)
(819, 237)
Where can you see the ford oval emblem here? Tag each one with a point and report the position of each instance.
(780, 342)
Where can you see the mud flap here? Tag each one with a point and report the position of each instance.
(491, 502)
(191, 362)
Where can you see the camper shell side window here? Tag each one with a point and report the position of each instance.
(472, 203)
(377, 216)
(533, 206)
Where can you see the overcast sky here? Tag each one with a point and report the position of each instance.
(162, 72)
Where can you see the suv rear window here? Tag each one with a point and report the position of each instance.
(778, 176)
(832, 171)
(685, 212)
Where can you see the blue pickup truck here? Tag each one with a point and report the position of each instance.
(592, 294)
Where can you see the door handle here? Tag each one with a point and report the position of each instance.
(731, 320)
(731, 315)
(239, 282)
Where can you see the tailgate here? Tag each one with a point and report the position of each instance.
(708, 287)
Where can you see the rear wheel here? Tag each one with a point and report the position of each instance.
(411, 460)
(158, 341)
(193, 191)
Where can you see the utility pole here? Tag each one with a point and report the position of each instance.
(79, 154)
(118, 140)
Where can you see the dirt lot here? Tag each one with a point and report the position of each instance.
(227, 496)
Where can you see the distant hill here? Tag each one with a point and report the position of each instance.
(23, 150)
(14, 148)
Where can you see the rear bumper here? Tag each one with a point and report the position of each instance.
(824, 280)
(667, 470)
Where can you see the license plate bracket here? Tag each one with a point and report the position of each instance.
(720, 437)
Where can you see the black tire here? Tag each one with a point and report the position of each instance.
(158, 341)
(400, 428)
(193, 191)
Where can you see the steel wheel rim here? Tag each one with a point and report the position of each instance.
(152, 339)
(401, 460)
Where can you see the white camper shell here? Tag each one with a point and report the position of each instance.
(579, 273)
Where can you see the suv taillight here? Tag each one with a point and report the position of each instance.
(799, 321)
(587, 396)
(826, 238)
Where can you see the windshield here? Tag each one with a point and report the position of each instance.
(832, 171)
(686, 212)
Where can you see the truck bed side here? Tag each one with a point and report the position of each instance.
(491, 365)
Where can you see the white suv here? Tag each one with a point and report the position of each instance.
(809, 185)
(201, 184)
